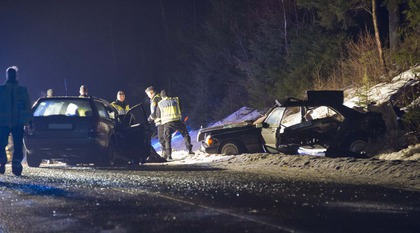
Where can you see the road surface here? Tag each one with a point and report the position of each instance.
(196, 198)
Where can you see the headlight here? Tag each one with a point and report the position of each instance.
(209, 140)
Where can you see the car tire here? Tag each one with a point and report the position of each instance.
(33, 159)
(355, 144)
(109, 158)
(231, 148)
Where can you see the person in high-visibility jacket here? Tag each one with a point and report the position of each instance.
(155, 116)
(119, 104)
(170, 116)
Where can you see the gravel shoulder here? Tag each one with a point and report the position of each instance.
(399, 170)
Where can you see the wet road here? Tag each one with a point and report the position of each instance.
(186, 198)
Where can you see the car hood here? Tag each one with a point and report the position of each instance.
(224, 128)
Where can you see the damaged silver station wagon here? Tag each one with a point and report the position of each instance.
(320, 125)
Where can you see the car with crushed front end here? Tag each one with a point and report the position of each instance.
(85, 130)
(321, 124)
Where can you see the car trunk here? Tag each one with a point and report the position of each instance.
(61, 127)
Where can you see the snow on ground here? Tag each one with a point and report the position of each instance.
(383, 92)
(388, 171)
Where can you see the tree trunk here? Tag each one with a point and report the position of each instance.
(394, 22)
(164, 21)
(377, 38)
(285, 28)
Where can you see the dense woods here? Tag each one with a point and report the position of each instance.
(230, 53)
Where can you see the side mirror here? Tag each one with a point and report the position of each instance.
(265, 125)
(262, 125)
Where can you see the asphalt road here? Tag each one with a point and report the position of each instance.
(190, 198)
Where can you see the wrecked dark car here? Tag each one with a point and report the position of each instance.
(319, 125)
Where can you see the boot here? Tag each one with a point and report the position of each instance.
(164, 155)
(2, 168)
(17, 169)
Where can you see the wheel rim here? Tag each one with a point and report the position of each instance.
(230, 149)
(358, 146)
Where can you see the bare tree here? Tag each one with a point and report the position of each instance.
(378, 39)
(394, 22)
(286, 47)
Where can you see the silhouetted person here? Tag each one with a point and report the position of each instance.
(15, 112)
(50, 92)
(83, 91)
(155, 116)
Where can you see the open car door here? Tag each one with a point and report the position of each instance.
(136, 134)
(270, 127)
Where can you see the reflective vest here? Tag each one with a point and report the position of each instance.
(121, 107)
(169, 109)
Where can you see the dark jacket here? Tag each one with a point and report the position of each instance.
(15, 106)
(154, 110)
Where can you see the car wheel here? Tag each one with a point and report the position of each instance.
(112, 154)
(356, 145)
(231, 148)
(33, 159)
(109, 157)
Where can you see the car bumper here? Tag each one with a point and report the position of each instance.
(64, 148)
(209, 149)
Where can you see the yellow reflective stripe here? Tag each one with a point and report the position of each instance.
(170, 110)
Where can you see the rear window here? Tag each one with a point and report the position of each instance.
(101, 110)
(57, 107)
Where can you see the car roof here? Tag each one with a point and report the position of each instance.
(73, 98)
(344, 110)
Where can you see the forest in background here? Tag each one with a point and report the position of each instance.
(249, 53)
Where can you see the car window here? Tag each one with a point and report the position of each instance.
(273, 119)
(292, 116)
(136, 115)
(111, 113)
(102, 110)
(57, 107)
(322, 112)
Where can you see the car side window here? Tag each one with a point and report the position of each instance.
(111, 113)
(273, 120)
(322, 112)
(291, 116)
(102, 110)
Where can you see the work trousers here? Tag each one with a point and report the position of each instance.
(169, 129)
(161, 137)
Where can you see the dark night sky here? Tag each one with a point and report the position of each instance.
(106, 44)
